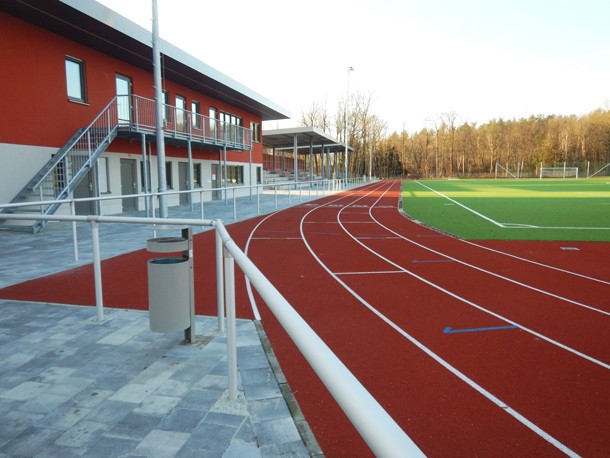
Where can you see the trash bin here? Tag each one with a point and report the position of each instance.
(169, 289)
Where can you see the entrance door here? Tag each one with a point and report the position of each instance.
(129, 184)
(183, 181)
(123, 92)
(216, 181)
(83, 190)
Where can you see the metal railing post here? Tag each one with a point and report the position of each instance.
(220, 293)
(97, 270)
(234, 205)
(231, 329)
(74, 234)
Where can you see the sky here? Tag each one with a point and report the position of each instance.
(416, 60)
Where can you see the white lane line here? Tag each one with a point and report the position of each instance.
(372, 272)
(468, 302)
(275, 238)
(251, 237)
(493, 274)
(586, 277)
(505, 407)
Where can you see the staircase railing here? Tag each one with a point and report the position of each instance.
(76, 160)
(132, 113)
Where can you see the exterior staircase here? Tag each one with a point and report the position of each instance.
(127, 115)
(58, 178)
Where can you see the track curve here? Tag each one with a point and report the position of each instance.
(529, 376)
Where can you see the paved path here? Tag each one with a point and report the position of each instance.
(72, 386)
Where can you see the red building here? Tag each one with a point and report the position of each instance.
(77, 114)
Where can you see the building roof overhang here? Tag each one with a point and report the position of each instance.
(100, 28)
(305, 139)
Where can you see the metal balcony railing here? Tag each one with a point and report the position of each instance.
(137, 114)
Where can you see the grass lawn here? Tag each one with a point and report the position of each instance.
(548, 209)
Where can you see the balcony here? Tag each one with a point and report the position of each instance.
(136, 115)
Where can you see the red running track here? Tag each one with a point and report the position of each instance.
(382, 290)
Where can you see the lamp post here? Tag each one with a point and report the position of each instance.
(349, 69)
(159, 112)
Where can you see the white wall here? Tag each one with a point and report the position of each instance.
(18, 164)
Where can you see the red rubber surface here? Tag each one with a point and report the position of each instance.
(552, 369)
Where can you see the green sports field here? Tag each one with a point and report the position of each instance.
(547, 209)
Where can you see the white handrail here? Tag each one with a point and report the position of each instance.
(381, 433)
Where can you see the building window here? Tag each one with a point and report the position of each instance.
(196, 120)
(166, 112)
(180, 113)
(212, 116)
(255, 127)
(235, 174)
(229, 118)
(231, 127)
(259, 175)
(75, 80)
(197, 175)
(103, 177)
(169, 181)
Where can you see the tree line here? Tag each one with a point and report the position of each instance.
(449, 148)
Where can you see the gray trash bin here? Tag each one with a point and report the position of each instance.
(169, 285)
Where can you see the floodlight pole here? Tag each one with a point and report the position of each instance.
(159, 109)
(349, 69)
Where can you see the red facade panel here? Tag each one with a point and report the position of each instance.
(35, 109)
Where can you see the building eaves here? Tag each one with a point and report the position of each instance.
(94, 25)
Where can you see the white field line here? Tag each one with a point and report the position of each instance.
(506, 408)
(461, 205)
(512, 225)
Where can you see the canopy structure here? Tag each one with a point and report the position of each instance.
(307, 141)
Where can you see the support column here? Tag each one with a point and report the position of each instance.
(295, 153)
(250, 169)
(145, 173)
(224, 170)
(310, 161)
(190, 174)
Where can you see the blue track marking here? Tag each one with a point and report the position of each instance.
(448, 329)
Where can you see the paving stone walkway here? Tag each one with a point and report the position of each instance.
(72, 386)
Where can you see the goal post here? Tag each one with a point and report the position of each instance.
(599, 171)
(503, 171)
(558, 172)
